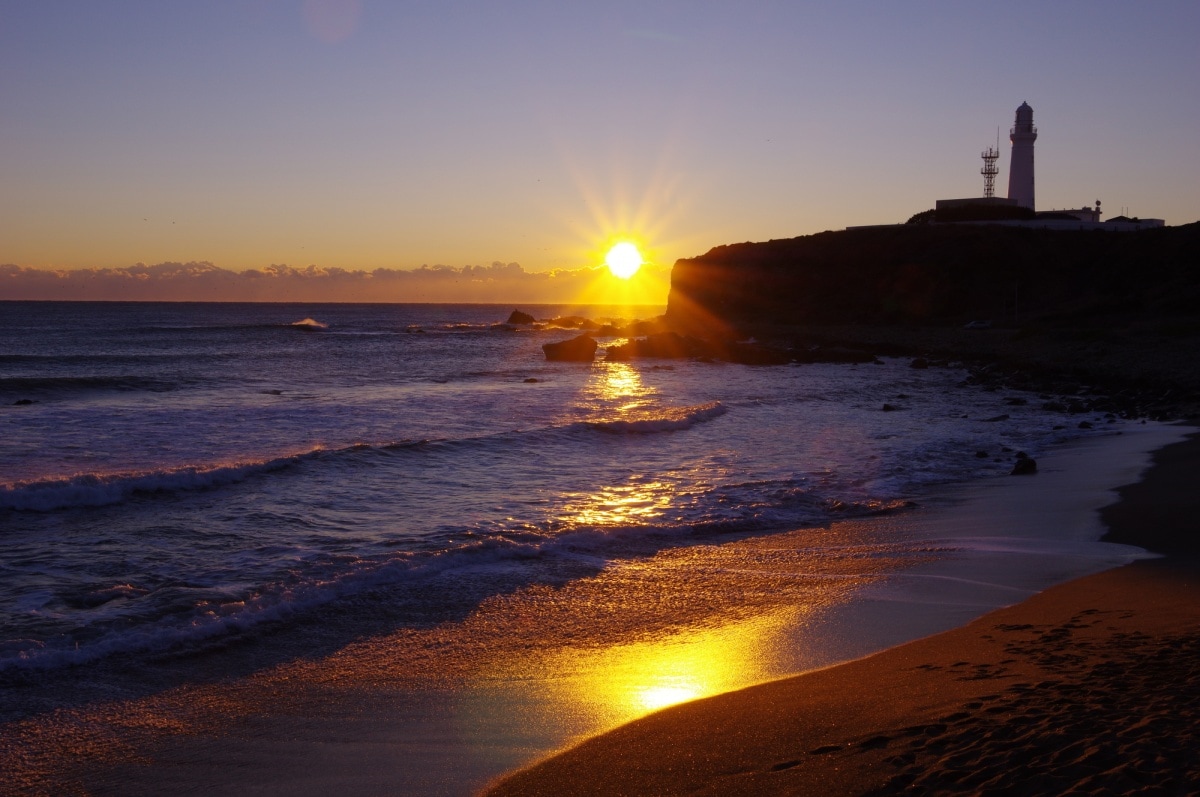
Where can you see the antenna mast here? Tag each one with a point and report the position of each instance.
(989, 171)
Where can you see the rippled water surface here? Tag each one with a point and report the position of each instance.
(176, 476)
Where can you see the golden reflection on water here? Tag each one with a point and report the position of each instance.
(616, 386)
(620, 506)
(616, 684)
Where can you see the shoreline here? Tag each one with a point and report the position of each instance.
(347, 723)
(1087, 685)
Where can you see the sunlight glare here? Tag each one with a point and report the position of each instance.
(623, 260)
(618, 683)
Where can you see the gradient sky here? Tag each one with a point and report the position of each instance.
(363, 135)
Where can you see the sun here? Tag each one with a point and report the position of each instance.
(623, 260)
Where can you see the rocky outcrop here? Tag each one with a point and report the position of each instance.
(518, 318)
(666, 345)
(938, 274)
(580, 349)
(1024, 466)
(833, 354)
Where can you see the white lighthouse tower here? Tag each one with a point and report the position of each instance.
(1020, 168)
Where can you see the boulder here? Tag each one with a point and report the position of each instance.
(1024, 466)
(832, 354)
(573, 322)
(517, 317)
(749, 353)
(666, 345)
(580, 349)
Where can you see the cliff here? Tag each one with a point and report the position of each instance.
(1114, 309)
(942, 275)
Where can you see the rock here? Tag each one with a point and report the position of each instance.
(995, 419)
(891, 407)
(757, 354)
(919, 362)
(517, 317)
(981, 454)
(1085, 424)
(573, 322)
(1015, 401)
(531, 381)
(1025, 466)
(23, 402)
(662, 344)
(831, 354)
(580, 349)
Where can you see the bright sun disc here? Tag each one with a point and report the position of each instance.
(623, 260)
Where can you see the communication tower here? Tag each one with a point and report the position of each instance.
(989, 171)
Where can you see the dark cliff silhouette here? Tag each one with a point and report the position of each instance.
(941, 275)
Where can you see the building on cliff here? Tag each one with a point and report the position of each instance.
(1018, 209)
(1020, 164)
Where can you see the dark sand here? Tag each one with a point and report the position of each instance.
(1091, 687)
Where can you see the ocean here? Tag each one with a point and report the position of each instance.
(194, 493)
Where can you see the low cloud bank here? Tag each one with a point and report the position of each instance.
(205, 282)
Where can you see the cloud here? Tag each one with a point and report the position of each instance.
(203, 281)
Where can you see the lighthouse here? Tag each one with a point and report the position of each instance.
(1020, 168)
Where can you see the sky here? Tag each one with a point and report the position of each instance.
(404, 150)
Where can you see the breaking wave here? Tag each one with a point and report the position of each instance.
(97, 489)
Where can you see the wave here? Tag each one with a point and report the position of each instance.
(105, 359)
(106, 489)
(219, 327)
(309, 325)
(215, 614)
(58, 385)
(95, 489)
(671, 419)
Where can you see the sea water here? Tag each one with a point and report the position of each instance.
(182, 483)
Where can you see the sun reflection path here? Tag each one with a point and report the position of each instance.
(616, 386)
(618, 382)
(621, 506)
(621, 683)
(615, 392)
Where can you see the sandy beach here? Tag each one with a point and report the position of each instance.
(1091, 679)
(1090, 687)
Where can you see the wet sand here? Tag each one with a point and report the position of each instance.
(443, 710)
(1090, 687)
